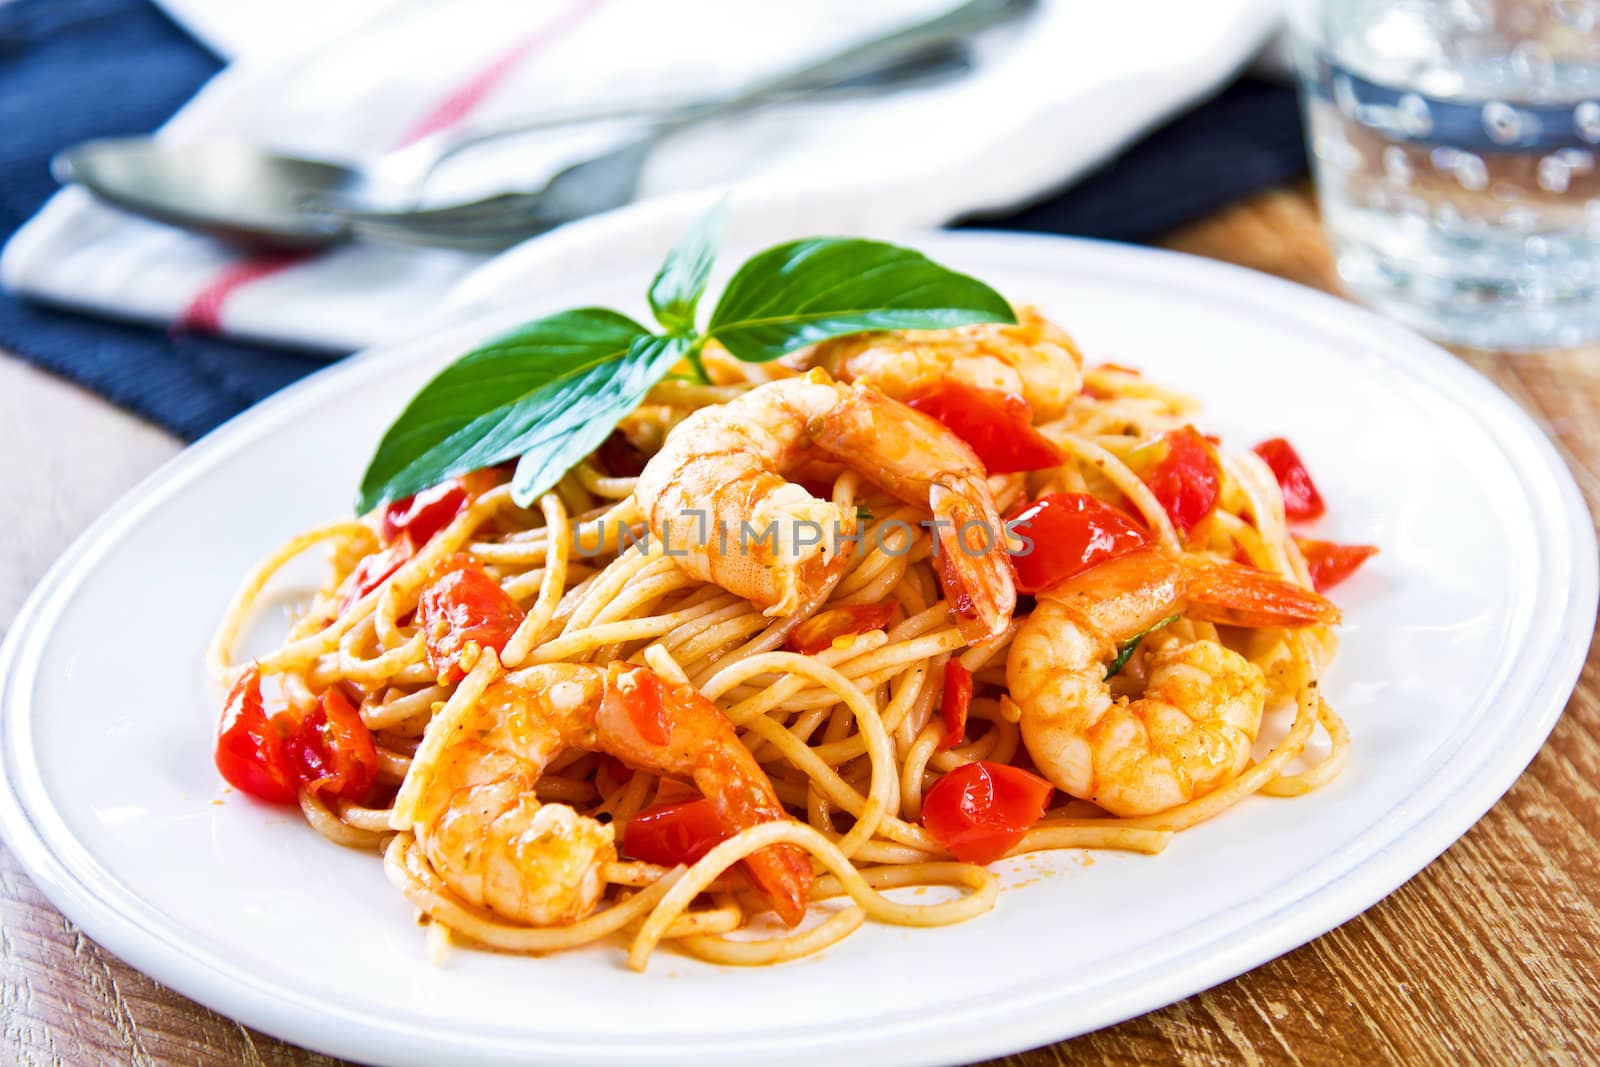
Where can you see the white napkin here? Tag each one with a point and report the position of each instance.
(1051, 97)
(230, 28)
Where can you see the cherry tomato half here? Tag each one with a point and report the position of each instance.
(1187, 480)
(998, 426)
(250, 746)
(1069, 533)
(979, 811)
(819, 632)
(1300, 497)
(955, 703)
(425, 513)
(1331, 563)
(464, 607)
(332, 752)
(638, 691)
(376, 569)
(670, 834)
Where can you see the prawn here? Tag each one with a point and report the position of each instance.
(497, 846)
(720, 476)
(1193, 729)
(1034, 359)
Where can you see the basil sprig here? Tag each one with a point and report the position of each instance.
(808, 291)
(679, 284)
(549, 392)
(536, 392)
(1125, 650)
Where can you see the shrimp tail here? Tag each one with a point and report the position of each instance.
(978, 578)
(1236, 595)
(701, 745)
(782, 873)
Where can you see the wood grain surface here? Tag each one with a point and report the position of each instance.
(1491, 954)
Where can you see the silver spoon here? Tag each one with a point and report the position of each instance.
(244, 195)
(248, 196)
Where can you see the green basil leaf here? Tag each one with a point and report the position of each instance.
(808, 291)
(676, 290)
(588, 410)
(1125, 650)
(515, 394)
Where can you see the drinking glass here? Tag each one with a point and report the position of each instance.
(1454, 145)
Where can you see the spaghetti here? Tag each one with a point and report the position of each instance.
(854, 735)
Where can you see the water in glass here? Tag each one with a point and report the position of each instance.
(1454, 144)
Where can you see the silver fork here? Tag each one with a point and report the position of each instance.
(611, 179)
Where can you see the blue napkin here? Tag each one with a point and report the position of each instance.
(75, 69)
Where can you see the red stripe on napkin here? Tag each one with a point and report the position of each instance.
(204, 312)
(465, 98)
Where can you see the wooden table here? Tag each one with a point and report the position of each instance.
(1490, 954)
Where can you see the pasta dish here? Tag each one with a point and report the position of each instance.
(872, 616)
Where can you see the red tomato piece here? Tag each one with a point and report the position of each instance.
(619, 458)
(424, 514)
(979, 811)
(1331, 563)
(1069, 533)
(1300, 497)
(1187, 480)
(955, 703)
(615, 769)
(670, 834)
(818, 633)
(998, 426)
(670, 791)
(639, 691)
(332, 753)
(463, 608)
(376, 569)
(250, 746)
(817, 487)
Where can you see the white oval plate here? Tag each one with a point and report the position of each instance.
(1462, 641)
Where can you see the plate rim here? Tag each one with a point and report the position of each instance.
(1426, 834)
